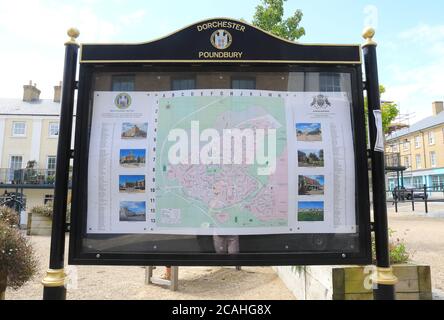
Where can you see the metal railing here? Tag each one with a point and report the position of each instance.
(27, 177)
(424, 194)
(392, 160)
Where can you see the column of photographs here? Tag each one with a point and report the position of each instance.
(311, 180)
(132, 175)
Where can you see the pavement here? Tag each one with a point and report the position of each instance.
(423, 234)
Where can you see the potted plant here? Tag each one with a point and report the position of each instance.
(18, 263)
(40, 220)
(353, 282)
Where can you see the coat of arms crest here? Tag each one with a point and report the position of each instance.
(221, 39)
(320, 102)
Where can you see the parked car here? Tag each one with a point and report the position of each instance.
(408, 193)
(418, 193)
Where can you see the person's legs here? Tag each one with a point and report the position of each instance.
(220, 244)
(233, 247)
(233, 244)
(167, 274)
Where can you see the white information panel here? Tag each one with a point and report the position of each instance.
(221, 162)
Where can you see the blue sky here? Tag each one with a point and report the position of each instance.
(135, 152)
(410, 35)
(134, 206)
(308, 126)
(127, 126)
(311, 205)
(123, 179)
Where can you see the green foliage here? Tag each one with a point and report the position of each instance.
(9, 216)
(269, 17)
(45, 210)
(389, 111)
(397, 249)
(18, 263)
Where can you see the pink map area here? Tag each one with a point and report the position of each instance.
(271, 202)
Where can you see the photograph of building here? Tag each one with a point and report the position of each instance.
(310, 185)
(312, 211)
(132, 158)
(132, 211)
(311, 158)
(308, 132)
(132, 183)
(134, 130)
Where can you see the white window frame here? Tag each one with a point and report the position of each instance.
(47, 163)
(14, 123)
(418, 163)
(406, 145)
(407, 161)
(431, 138)
(49, 129)
(10, 169)
(10, 160)
(433, 163)
(418, 142)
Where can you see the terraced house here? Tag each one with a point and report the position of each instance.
(420, 150)
(29, 130)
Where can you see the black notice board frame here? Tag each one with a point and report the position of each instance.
(276, 61)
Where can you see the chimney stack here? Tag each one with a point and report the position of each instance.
(58, 92)
(30, 92)
(437, 107)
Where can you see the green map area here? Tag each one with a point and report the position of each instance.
(221, 195)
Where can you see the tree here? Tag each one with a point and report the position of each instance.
(269, 17)
(389, 111)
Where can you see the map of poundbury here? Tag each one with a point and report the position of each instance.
(221, 196)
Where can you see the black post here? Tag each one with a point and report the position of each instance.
(425, 199)
(384, 280)
(54, 281)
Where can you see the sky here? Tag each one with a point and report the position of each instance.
(311, 205)
(410, 36)
(134, 152)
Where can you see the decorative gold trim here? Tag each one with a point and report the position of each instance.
(384, 276)
(368, 35)
(229, 19)
(54, 278)
(73, 33)
(221, 61)
(206, 20)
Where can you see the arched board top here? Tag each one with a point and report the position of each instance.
(221, 40)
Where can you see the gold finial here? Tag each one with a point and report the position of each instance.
(368, 35)
(73, 33)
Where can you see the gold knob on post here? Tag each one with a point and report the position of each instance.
(368, 35)
(73, 34)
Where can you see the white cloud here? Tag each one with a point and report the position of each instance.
(36, 31)
(417, 83)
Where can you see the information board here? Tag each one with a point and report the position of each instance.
(221, 162)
